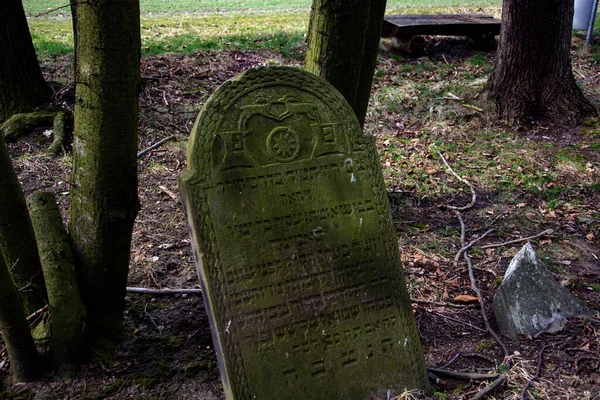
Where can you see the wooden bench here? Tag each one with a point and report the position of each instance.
(406, 30)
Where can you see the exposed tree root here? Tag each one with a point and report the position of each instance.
(21, 124)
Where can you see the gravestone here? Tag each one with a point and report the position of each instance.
(530, 302)
(295, 245)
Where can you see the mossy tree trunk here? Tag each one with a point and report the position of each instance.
(343, 42)
(73, 4)
(22, 86)
(104, 200)
(24, 358)
(58, 263)
(532, 78)
(17, 240)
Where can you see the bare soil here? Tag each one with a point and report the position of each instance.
(169, 354)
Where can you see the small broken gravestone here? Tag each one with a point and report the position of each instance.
(295, 245)
(530, 302)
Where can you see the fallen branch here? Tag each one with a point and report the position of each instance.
(466, 182)
(467, 247)
(472, 107)
(452, 360)
(489, 225)
(461, 322)
(51, 11)
(537, 371)
(162, 291)
(489, 388)
(155, 145)
(37, 312)
(437, 303)
(478, 293)
(546, 232)
(462, 375)
(172, 195)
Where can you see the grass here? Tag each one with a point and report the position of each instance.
(277, 32)
(260, 31)
(34, 7)
(184, 26)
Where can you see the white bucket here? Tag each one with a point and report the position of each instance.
(583, 12)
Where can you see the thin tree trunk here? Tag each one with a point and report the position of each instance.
(22, 86)
(73, 4)
(23, 356)
(532, 78)
(104, 200)
(343, 42)
(58, 263)
(17, 240)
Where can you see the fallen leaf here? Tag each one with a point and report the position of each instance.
(454, 283)
(590, 236)
(521, 205)
(465, 298)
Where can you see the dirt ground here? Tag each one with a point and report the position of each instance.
(169, 353)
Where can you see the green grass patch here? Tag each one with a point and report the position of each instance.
(189, 25)
(34, 7)
(282, 33)
(260, 31)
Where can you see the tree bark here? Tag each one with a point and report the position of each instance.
(532, 78)
(58, 262)
(104, 200)
(22, 86)
(343, 42)
(73, 6)
(23, 356)
(17, 240)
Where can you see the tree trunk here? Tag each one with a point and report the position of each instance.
(57, 259)
(23, 356)
(532, 78)
(17, 240)
(343, 42)
(73, 4)
(22, 86)
(104, 200)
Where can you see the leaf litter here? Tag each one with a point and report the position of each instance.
(526, 182)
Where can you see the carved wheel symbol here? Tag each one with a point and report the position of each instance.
(283, 144)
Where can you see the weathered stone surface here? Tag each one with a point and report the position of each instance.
(530, 302)
(295, 244)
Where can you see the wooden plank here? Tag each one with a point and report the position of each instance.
(472, 25)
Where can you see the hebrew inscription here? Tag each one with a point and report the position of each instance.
(295, 245)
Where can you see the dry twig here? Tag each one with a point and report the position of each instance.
(546, 232)
(489, 388)
(467, 247)
(461, 322)
(37, 312)
(537, 371)
(438, 303)
(466, 182)
(462, 375)
(478, 293)
(172, 195)
(152, 319)
(155, 145)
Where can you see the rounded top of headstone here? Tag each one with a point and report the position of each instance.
(283, 114)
